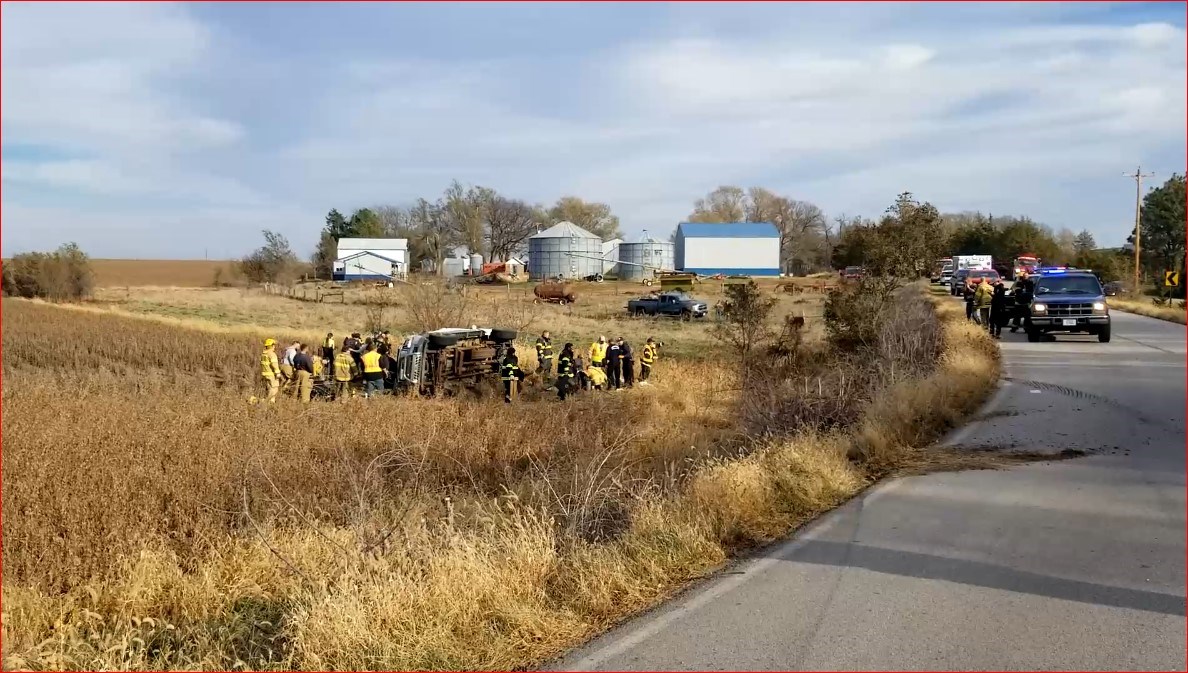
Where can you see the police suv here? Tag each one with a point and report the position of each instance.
(1069, 301)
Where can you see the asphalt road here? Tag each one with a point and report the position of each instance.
(1064, 565)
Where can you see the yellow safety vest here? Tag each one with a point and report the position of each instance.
(597, 352)
(344, 365)
(268, 364)
(371, 363)
(597, 376)
(649, 354)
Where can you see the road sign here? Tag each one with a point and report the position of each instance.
(1171, 278)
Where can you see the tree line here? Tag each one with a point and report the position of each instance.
(498, 226)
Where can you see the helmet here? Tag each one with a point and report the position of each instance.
(268, 343)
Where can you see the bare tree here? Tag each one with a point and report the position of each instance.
(509, 223)
(724, 204)
(802, 226)
(595, 218)
(464, 207)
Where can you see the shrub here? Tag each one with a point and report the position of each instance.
(62, 275)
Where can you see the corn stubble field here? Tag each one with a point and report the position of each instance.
(155, 520)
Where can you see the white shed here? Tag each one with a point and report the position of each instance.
(737, 248)
(371, 258)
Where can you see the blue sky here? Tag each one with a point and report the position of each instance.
(181, 130)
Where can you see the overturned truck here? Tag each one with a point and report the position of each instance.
(452, 359)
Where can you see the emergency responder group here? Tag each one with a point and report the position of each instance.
(368, 361)
(988, 303)
(364, 359)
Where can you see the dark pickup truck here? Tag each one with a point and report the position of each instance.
(1069, 301)
(675, 304)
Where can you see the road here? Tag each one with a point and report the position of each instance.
(1063, 565)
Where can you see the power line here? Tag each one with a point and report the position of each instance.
(1137, 176)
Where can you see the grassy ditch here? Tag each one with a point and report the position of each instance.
(1173, 312)
(156, 521)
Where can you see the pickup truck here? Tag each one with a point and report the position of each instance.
(1071, 301)
(675, 304)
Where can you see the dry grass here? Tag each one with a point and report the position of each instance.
(1173, 312)
(158, 272)
(154, 520)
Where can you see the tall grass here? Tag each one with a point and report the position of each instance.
(1171, 312)
(159, 525)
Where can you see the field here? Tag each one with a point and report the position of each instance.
(158, 272)
(154, 519)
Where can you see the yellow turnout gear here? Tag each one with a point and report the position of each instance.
(597, 353)
(344, 366)
(269, 367)
(649, 354)
(371, 362)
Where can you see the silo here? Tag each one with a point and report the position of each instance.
(566, 250)
(639, 260)
(476, 265)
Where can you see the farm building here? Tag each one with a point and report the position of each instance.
(371, 258)
(610, 254)
(565, 250)
(736, 248)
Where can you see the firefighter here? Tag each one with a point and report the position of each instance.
(511, 374)
(614, 365)
(1022, 293)
(270, 370)
(328, 350)
(598, 352)
(565, 371)
(627, 357)
(344, 372)
(303, 366)
(646, 359)
(373, 372)
(544, 355)
(596, 377)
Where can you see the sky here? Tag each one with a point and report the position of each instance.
(180, 131)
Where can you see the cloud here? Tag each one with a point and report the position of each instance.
(157, 115)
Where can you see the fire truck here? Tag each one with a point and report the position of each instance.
(1026, 262)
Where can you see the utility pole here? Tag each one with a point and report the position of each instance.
(1138, 209)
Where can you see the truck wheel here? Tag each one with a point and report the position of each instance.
(686, 315)
(1033, 336)
(503, 335)
(561, 302)
(442, 340)
(1103, 335)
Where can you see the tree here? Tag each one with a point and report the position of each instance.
(365, 223)
(724, 204)
(62, 275)
(1084, 243)
(324, 255)
(509, 223)
(595, 218)
(852, 242)
(1163, 227)
(272, 262)
(337, 225)
(464, 210)
(903, 245)
(744, 321)
(802, 226)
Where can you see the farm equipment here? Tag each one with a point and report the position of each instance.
(554, 293)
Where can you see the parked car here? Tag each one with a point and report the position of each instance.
(957, 282)
(1114, 288)
(675, 304)
(853, 272)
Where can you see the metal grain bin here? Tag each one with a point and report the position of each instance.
(640, 260)
(565, 250)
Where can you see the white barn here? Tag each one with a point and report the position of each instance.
(737, 248)
(371, 258)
